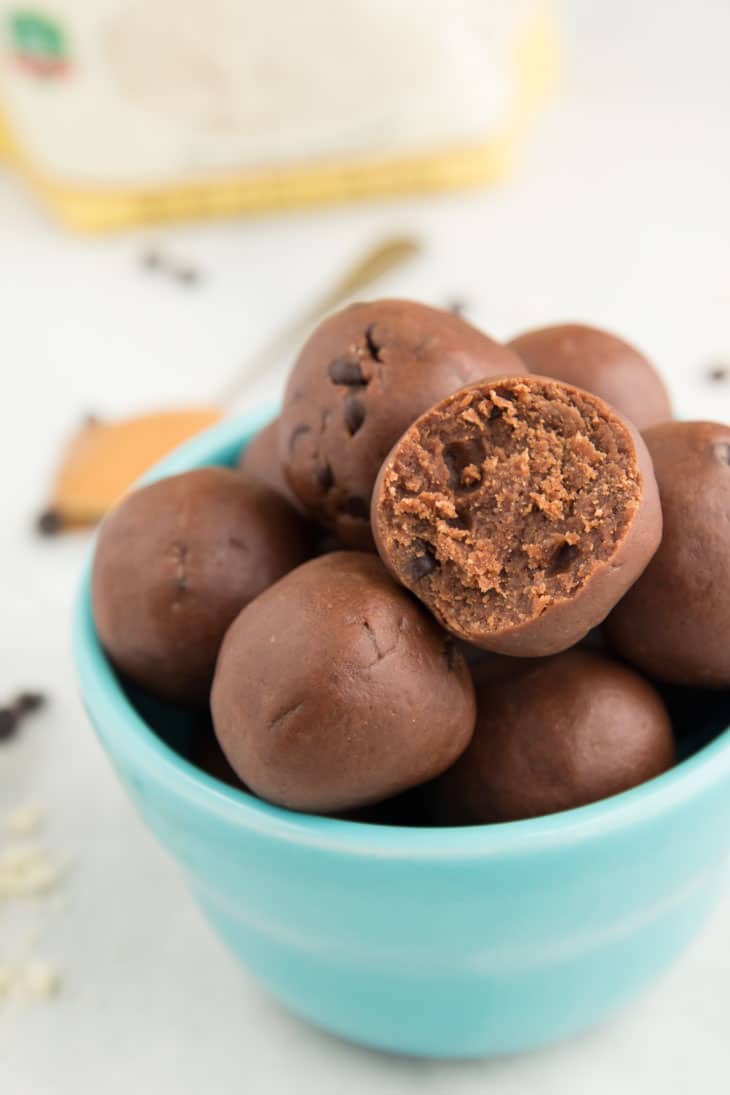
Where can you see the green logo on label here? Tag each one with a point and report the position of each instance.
(39, 43)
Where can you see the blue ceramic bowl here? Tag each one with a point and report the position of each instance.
(446, 943)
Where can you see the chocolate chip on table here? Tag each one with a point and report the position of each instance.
(29, 701)
(457, 306)
(49, 522)
(12, 715)
(187, 275)
(150, 259)
(718, 372)
(354, 414)
(342, 371)
(8, 722)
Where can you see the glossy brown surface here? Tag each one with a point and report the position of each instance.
(334, 689)
(675, 622)
(601, 363)
(552, 734)
(174, 564)
(364, 375)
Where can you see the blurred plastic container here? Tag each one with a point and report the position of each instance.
(123, 111)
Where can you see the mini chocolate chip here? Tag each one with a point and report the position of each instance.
(49, 522)
(12, 715)
(342, 371)
(460, 456)
(722, 452)
(151, 259)
(29, 701)
(8, 722)
(373, 346)
(563, 558)
(457, 306)
(354, 414)
(718, 372)
(187, 275)
(357, 507)
(423, 565)
(296, 434)
(325, 476)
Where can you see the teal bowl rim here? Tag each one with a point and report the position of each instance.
(124, 733)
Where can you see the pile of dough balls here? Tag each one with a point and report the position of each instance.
(448, 585)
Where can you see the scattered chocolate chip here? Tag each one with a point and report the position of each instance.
(29, 701)
(12, 715)
(151, 259)
(463, 460)
(457, 306)
(354, 414)
(357, 507)
(325, 476)
(718, 372)
(8, 722)
(722, 452)
(49, 522)
(187, 275)
(342, 371)
(423, 565)
(373, 347)
(296, 434)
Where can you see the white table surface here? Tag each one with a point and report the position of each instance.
(620, 215)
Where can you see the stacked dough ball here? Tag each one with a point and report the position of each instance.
(392, 593)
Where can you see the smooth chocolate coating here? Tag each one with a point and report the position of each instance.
(260, 461)
(552, 734)
(519, 510)
(175, 562)
(602, 364)
(334, 689)
(674, 624)
(364, 375)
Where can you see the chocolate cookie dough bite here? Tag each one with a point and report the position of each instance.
(601, 363)
(519, 510)
(174, 564)
(364, 376)
(674, 624)
(334, 689)
(552, 734)
(260, 461)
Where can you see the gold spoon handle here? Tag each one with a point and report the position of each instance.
(374, 264)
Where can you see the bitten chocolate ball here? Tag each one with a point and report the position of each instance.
(175, 563)
(602, 364)
(519, 510)
(675, 622)
(552, 734)
(334, 689)
(260, 461)
(364, 375)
